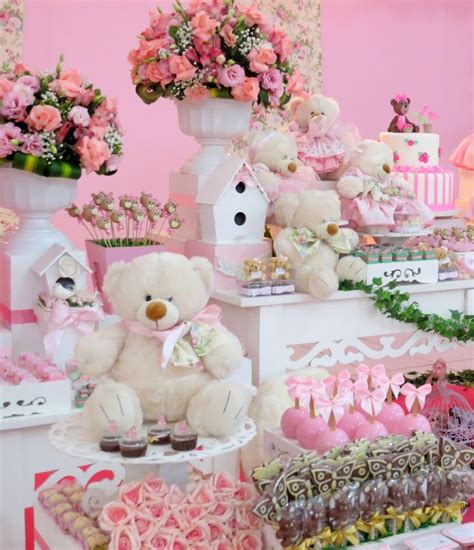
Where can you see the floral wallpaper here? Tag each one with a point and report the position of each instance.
(11, 32)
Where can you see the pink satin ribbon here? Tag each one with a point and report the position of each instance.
(210, 316)
(332, 405)
(373, 373)
(370, 401)
(340, 381)
(413, 393)
(393, 383)
(11, 317)
(63, 316)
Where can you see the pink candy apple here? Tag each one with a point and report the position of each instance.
(391, 416)
(308, 431)
(291, 419)
(350, 422)
(330, 439)
(414, 423)
(371, 430)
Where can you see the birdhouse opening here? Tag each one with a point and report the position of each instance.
(240, 218)
(240, 187)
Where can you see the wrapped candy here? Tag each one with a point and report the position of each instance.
(315, 517)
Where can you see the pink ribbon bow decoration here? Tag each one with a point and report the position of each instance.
(63, 316)
(332, 408)
(334, 383)
(370, 374)
(210, 316)
(392, 385)
(414, 395)
(371, 401)
(302, 391)
(401, 97)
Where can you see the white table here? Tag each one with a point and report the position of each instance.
(332, 329)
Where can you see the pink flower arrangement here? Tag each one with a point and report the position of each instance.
(187, 519)
(214, 48)
(60, 119)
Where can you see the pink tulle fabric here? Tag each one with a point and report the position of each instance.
(469, 213)
(463, 155)
(323, 154)
(302, 179)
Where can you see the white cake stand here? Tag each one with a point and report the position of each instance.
(393, 238)
(69, 436)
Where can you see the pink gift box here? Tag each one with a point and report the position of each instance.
(433, 541)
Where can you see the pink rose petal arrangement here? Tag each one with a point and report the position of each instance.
(127, 222)
(28, 368)
(56, 123)
(336, 410)
(214, 513)
(214, 48)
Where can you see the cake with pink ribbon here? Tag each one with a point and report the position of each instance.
(416, 156)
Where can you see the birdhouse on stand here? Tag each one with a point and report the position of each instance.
(232, 207)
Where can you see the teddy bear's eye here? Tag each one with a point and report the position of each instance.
(148, 298)
(170, 299)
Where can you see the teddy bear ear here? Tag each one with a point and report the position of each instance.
(204, 267)
(112, 277)
(285, 208)
(294, 104)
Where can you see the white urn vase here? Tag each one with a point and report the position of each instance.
(35, 199)
(214, 123)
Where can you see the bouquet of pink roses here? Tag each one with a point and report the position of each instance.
(213, 514)
(56, 123)
(214, 48)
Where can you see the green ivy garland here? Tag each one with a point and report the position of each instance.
(463, 378)
(395, 304)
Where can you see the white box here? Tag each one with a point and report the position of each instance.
(36, 397)
(415, 271)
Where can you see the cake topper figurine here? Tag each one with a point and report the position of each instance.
(400, 122)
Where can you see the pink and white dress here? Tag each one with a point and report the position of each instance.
(300, 180)
(319, 146)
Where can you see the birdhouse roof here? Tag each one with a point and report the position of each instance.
(222, 176)
(51, 256)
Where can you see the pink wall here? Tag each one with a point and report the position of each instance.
(372, 49)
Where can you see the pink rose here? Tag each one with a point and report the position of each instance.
(14, 106)
(143, 523)
(175, 497)
(159, 540)
(131, 493)
(248, 540)
(261, 59)
(218, 529)
(107, 108)
(252, 15)
(93, 152)
(193, 513)
(174, 520)
(44, 118)
(271, 80)
(203, 26)
(124, 538)
(97, 128)
(71, 75)
(230, 76)
(228, 35)
(5, 86)
(67, 89)
(26, 91)
(114, 514)
(223, 544)
(32, 145)
(155, 508)
(208, 51)
(180, 543)
(247, 91)
(247, 519)
(281, 44)
(159, 71)
(113, 164)
(154, 487)
(196, 92)
(10, 138)
(245, 493)
(80, 116)
(181, 67)
(29, 81)
(295, 85)
(223, 511)
(199, 532)
(86, 97)
(202, 494)
(223, 483)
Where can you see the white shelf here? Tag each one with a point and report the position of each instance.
(68, 436)
(34, 420)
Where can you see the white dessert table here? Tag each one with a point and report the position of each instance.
(332, 330)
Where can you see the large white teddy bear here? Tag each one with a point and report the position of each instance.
(312, 241)
(371, 193)
(169, 355)
(323, 142)
(274, 158)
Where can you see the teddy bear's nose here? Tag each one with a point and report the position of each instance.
(156, 311)
(292, 166)
(386, 168)
(332, 228)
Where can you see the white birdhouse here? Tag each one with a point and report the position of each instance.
(63, 271)
(232, 205)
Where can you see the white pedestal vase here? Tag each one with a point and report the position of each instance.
(214, 123)
(35, 199)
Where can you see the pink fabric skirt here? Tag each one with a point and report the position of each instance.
(463, 156)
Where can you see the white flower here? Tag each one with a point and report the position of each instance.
(68, 266)
(80, 116)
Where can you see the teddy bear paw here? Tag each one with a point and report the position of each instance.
(322, 283)
(352, 268)
(219, 408)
